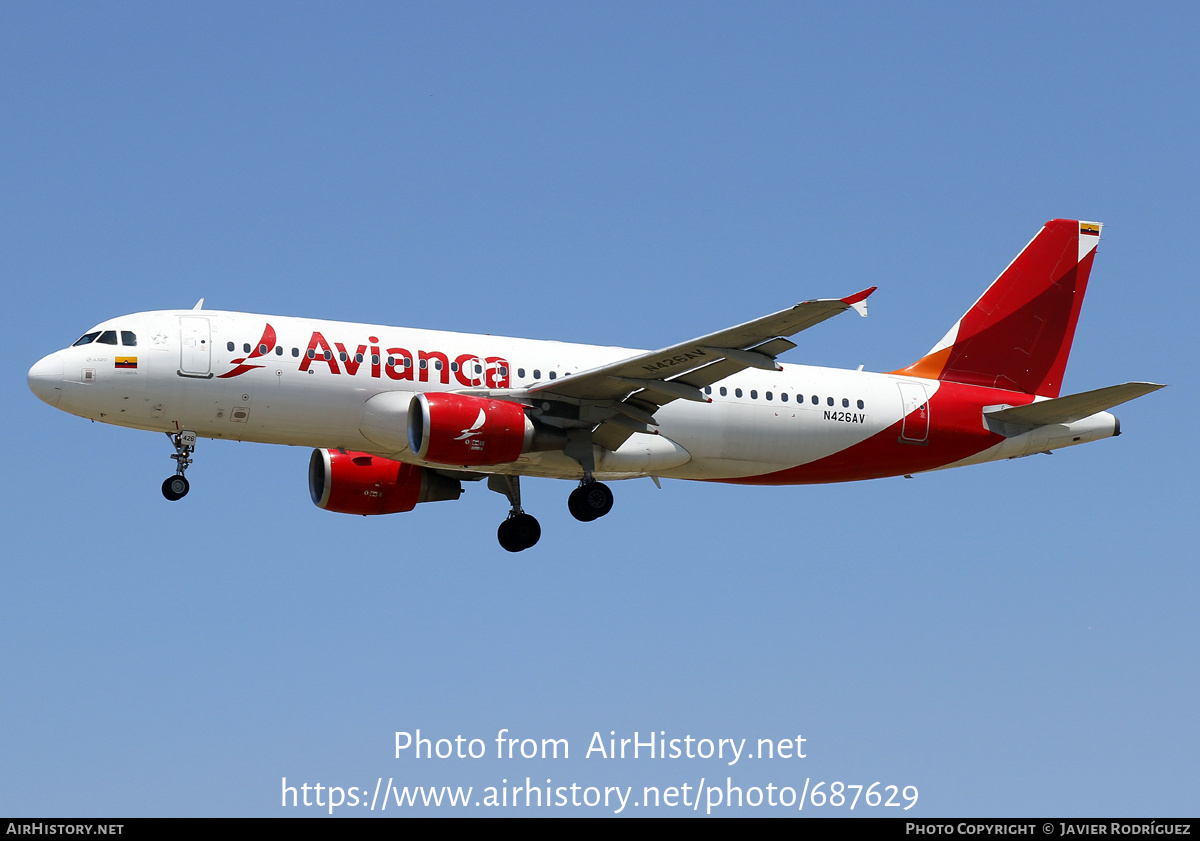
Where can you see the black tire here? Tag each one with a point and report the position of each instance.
(175, 488)
(590, 501)
(518, 533)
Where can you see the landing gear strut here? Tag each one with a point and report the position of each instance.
(520, 530)
(176, 487)
(590, 501)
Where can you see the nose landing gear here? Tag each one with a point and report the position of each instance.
(176, 487)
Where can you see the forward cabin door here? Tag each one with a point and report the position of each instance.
(195, 347)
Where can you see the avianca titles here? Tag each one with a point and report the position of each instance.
(399, 416)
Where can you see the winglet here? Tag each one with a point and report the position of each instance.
(858, 301)
(199, 305)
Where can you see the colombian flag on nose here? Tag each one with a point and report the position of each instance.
(127, 362)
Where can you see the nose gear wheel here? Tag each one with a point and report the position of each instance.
(176, 487)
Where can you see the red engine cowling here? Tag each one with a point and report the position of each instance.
(462, 430)
(357, 483)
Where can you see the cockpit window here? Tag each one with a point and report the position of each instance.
(108, 337)
(86, 339)
(128, 338)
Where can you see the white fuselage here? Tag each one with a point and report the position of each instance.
(216, 374)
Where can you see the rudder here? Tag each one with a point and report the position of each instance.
(1018, 335)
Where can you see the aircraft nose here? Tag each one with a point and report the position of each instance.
(46, 378)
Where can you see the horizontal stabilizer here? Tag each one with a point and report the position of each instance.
(1073, 407)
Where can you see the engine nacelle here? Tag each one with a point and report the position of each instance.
(357, 483)
(465, 431)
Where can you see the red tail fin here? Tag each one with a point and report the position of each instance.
(1018, 335)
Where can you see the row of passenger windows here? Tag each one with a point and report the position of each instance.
(783, 397)
(107, 337)
(537, 374)
(261, 349)
(437, 365)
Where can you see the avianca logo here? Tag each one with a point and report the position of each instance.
(394, 363)
(472, 433)
(265, 345)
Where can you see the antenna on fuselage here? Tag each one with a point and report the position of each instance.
(199, 305)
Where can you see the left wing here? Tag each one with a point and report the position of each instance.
(620, 398)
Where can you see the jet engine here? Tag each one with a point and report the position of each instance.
(462, 430)
(357, 483)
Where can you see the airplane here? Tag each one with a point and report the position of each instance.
(400, 416)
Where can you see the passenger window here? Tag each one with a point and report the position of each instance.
(829, 400)
(537, 374)
(754, 394)
(723, 391)
(424, 364)
(128, 339)
(358, 357)
(328, 355)
(816, 400)
(86, 339)
(769, 396)
(374, 358)
(708, 389)
(229, 346)
(845, 403)
(737, 392)
(437, 364)
(454, 367)
(311, 354)
(279, 350)
(521, 373)
(295, 351)
(342, 356)
(860, 405)
(553, 375)
(262, 349)
(503, 371)
(108, 337)
(782, 396)
(246, 347)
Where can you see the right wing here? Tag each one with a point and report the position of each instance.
(620, 398)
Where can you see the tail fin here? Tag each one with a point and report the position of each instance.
(1018, 335)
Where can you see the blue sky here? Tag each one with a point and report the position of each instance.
(1012, 639)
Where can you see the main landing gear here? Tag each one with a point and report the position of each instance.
(176, 487)
(590, 501)
(520, 530)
